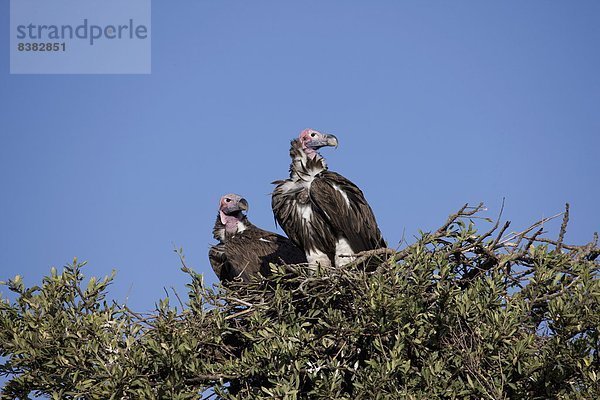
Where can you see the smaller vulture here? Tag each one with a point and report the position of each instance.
(324, 213)
(243, 249)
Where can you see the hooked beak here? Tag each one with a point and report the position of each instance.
(243, 205)
(331, 140)
(324, 140)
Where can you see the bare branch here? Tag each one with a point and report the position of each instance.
(563, 228)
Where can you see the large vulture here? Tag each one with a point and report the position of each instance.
(321, 211)
(243, 249)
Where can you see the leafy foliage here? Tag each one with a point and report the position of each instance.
(458, 314)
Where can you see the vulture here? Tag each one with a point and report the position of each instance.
(324, 213)
(243, 249)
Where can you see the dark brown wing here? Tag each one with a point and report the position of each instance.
(344, 206)
(251, 251)
(219, 262)
(309, 234)
(283, 202)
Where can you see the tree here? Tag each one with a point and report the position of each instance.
(458, 314)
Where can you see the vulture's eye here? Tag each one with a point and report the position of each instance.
(313, 134)
(228, 200)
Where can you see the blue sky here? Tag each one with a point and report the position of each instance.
(435, 104)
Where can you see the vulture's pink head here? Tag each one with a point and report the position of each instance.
(313, 140)
(232, 204)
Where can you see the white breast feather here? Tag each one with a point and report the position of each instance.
(342, 248)
(305, 212)
(316, 258)
(303, 178)
(314, 172)
(241, 227)
(288, 186)
(264, 240)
